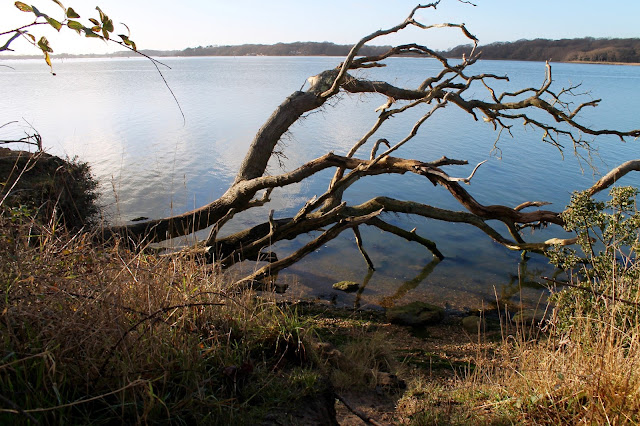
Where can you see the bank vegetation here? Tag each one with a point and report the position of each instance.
(587, 49)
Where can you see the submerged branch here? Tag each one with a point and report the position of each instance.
(272, 268)
(356, 233)
(407, 235)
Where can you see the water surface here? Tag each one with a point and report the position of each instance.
(117, 115)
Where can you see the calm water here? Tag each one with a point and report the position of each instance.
(118, 116)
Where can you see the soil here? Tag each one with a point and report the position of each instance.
(442, 353)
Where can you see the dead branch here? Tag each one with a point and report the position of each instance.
(528, 204)
(613, 176)
(446, 177)
(407, 235)
(255, 279)
(33, 138)
(375, 147)
(364, 417)
(211, 239)
(356, 48)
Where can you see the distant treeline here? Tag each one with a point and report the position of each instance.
(587, 49)
(281, 49)
(568, 50)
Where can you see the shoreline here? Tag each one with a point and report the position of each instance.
(116, 56)
(595, 63)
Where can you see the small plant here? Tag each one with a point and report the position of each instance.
(363, 357)
(606, 274)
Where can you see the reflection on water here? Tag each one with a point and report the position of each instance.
(521, 289)
(365, 281)
(527, 278)
(117, 115)
(389, 301)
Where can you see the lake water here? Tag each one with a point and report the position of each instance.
(117, 115)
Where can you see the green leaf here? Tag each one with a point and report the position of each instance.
(37, 12)
(55, 24)
(128, 42)
(72, 14)
(59, 4)
(75, 25)
(89, 33)
(23, 7)
(108, 25)
(105, 33)
(102, 15)
(43, 44)
(94, 21)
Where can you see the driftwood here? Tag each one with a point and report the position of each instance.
(450, 87)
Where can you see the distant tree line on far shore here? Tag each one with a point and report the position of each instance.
(278, 49)
(588, 49)
(282, 49)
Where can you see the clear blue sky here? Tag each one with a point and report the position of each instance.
(171, 24)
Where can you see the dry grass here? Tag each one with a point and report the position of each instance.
(586, 375)
(589, 374)
(99, 334)
(583, 366)
(363, 357)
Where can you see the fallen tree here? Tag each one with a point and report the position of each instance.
(452, 86)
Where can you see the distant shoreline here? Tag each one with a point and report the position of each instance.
(586, 50)
(108, 56)
(598, 63)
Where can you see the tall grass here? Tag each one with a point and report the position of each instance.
(99, 334)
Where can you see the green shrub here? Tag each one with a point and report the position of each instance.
(605, 271)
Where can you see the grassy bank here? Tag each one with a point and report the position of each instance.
(95, 333)
(99, 334)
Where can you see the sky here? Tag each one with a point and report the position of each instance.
(171, 24)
